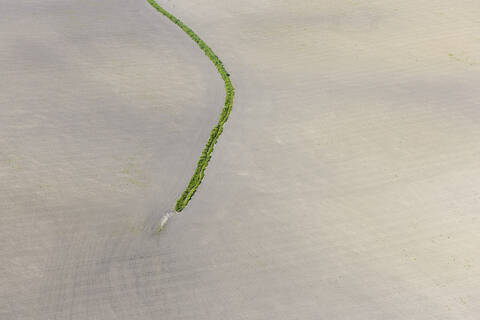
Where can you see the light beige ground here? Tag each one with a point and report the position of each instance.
(345, 185)
(104, 109)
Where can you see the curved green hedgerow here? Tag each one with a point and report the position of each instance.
(217, 130)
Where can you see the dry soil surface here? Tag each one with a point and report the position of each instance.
(345, 185)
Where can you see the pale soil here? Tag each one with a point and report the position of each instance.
(345, 184)
(105, 107)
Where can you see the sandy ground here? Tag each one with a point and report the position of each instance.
(105, 107)
(345, 185)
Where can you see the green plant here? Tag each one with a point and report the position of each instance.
(202, 163)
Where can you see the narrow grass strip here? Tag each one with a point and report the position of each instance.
(202, 163)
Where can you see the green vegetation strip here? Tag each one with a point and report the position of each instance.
(217, 130)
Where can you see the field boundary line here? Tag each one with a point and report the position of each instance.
(202, 163)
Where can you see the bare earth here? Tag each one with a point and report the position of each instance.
(345, 185)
